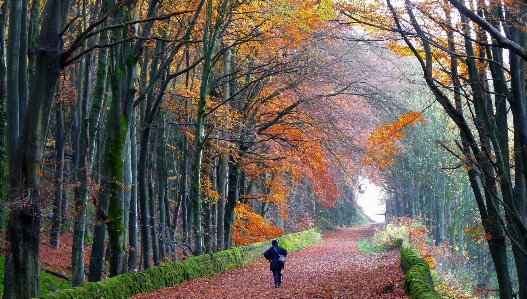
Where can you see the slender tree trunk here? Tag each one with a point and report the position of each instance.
(223, 164)
(184, 191)
(3, 120)
(127, 192)
(207, 226)
(147, 118)
(232, 199)
(89, 123)
(132, 224)
(518, 221)
(56, 220)
(81, 200)
(222, 188)
(152, 221)
(161, 188)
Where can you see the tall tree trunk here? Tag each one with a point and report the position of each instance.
(56, 220)
(161, 187)
(222, 189)
(127, 192)
(13, 105)
(23, 231)
(232, 199)
(223, 164)
(518, 221)
(132, 224)
(124, 72)
(89, 123)
(184, 190)
(3, 120)
(80, 202)
(207, 224)
(142, 175)
(211, 35)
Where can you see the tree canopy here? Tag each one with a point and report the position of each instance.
(160, 130)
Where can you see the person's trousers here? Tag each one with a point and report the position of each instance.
(277, 275)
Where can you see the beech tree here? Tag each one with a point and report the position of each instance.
(26, 141)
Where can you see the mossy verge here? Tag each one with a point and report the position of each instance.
(418, 282)
(169, 274)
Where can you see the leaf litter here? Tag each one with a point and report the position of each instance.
(332, 269)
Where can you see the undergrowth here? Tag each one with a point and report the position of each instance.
(48, 282)
(414, 233)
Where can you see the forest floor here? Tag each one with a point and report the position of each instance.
(334, 268)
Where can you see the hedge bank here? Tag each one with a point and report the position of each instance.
(169, 274)
(418, 282)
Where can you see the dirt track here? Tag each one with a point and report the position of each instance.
(332, 269)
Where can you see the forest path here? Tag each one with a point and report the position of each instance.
(332, 269)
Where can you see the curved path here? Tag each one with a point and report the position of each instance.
(332, 269)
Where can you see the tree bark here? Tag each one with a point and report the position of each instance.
(132, 223)
(56, 220)
(4, 183)
(23, 231)
(232, 199)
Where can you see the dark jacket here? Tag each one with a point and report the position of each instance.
(272, 255)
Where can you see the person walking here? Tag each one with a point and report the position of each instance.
(273, 256)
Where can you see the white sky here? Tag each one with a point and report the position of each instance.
(369, 200)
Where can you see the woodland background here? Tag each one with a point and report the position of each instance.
(155, 130)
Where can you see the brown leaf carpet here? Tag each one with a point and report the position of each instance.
(332, 269)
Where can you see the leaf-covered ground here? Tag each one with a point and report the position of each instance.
(332, 269)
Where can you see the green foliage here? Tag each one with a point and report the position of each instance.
(326, 223)
(367, 246)
(160, 277)
(360, 219)
(344, 213)
(300, 240)
(49, 282)
(391, 236)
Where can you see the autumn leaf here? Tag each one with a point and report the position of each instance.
(384, 141)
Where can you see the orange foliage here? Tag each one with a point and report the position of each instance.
(418, 239)
(250, 227)
(477, 234)
(383, 142)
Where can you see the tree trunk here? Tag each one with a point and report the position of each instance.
(232, 199)
(142, 175)
(127, 192)
(152, 222)
(132, 224)
(89, 123)
(184, 192)
(161, 188)
(56, 220)
(207, 226)
(23, 231)
(3, 120)
(222, 189)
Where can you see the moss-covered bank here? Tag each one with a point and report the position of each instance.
(160, 277)
(418, 282)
